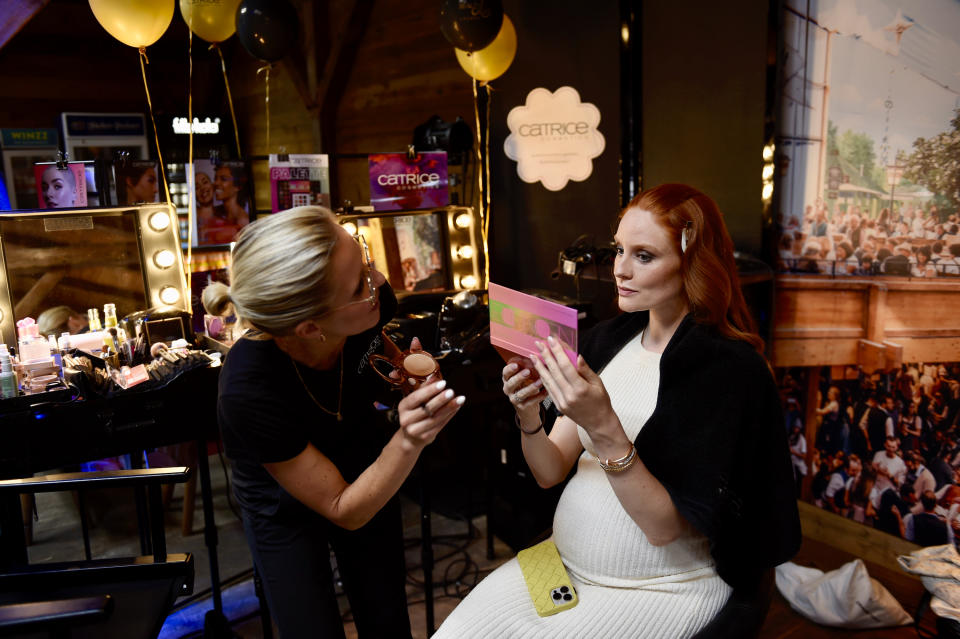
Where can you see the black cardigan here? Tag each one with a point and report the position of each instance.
(717, 443)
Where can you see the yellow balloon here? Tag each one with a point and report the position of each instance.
(212, 20)
(493, 60)
(138, 23)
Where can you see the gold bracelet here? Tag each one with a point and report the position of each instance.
(620, 465)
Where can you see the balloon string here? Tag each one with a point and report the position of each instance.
(226, 83)
(266, 100)
(163, 169)
(481, 200)
(191, 196)
(486, 164)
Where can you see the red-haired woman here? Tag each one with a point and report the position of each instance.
(684, 490)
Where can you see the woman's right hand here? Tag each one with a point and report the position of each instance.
(524, 388)
(425, 411)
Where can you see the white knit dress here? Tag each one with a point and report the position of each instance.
(626, 586)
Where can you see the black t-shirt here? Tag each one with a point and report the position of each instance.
(266, 414)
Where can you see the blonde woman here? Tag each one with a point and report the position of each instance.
(314, 462)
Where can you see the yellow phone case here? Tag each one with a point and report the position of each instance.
(547, 579)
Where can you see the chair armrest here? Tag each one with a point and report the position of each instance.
(38, 616)
(74, 481)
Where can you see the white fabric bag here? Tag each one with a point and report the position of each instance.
(844, 598)
(939, 570)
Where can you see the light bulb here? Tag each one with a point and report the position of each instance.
(159, 221)
(463, 221)
(468, 281)
(169, 295)
(164, 258)
(465, 252)
(350, 228)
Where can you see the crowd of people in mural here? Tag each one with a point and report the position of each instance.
(886, 450)
(912, 241)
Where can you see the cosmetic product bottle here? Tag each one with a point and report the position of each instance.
(8, 379)
(63, 343)
(31, 345)
(55, 351)
(93, 317)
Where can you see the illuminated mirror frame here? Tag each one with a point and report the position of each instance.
(158, 245)
(464, 250)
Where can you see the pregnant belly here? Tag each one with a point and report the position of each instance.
(599, 541)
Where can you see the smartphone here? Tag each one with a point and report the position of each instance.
(547, 579)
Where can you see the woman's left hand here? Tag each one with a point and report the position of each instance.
(577, 391)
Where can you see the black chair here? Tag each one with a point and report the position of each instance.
(54, 619)
(142, 588)
(743, 614)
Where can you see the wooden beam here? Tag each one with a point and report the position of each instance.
(343, 48)
(37, 293)
(15, 14)
(810, 425)
(861, 541)
(876, 312)
(871, 356)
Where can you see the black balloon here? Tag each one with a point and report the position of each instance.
(267, 28)
(470, 25)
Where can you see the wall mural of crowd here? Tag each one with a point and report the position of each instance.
(884, 448)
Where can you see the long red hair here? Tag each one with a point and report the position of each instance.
(708, 269)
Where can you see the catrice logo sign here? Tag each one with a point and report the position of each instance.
(409, 179)
(554, 138)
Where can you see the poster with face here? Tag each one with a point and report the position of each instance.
(137, 182)
(221, 194)
(61, 188)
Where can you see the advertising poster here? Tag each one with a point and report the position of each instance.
(399, 183)
(869, 189)
(62, 188)
(222, 198)
(420, 250)
(554, 138)
(137, 182)
(299, 180)
(869, 180)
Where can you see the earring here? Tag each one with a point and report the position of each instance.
(323, 337)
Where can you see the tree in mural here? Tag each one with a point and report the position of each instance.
(935, 163)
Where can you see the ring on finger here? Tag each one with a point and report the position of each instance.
(427, 410)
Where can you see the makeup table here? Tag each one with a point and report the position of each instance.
(61, 430)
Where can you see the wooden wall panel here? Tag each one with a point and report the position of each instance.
(922, 310)
(831, 322)
(814, 352)
(819, 309)
(861, 541)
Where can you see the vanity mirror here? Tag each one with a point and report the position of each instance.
(85, 258)
(423, 250)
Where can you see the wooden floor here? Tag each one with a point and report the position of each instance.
(782, 621)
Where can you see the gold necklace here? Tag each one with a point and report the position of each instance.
(337, 414)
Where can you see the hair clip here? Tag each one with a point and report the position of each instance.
(683, 236)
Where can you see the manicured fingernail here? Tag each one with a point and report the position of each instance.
(539, 345)
(511, 367)
(412, 381)
(441, 384)
(461, 400)
(551, 340)
(525, 372)
(448, 394)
